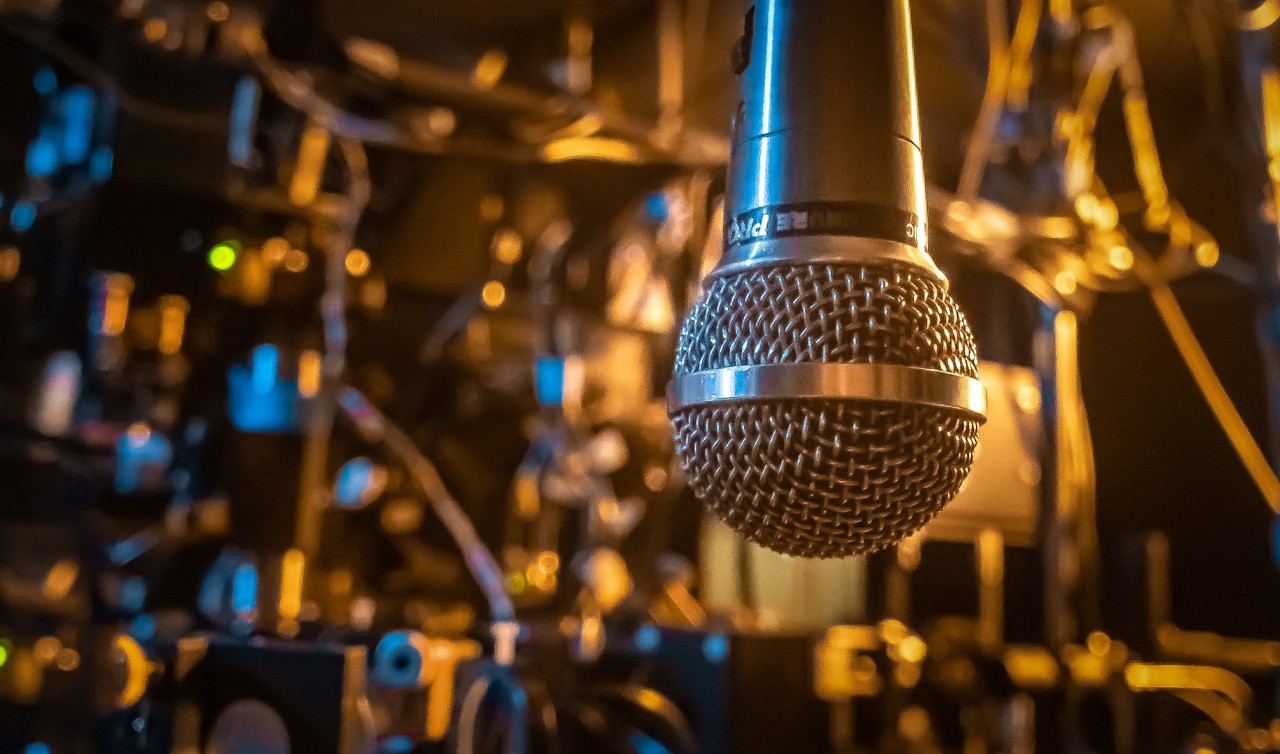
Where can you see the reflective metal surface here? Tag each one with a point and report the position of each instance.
(876, 382)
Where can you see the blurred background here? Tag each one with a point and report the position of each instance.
(333, 354)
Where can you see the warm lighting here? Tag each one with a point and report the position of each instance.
(591, 148)
(1087, 207)
(312, 154)
(1120, 258)
(292, 567)
(222, 257)
(115, 304)
(154, 29)
(1065, 282)
(274, 250)
(296, 260)
(489, 69)
(59, 580)
(493, 294)
(10, 260)
(507, 246)
(138, 433)
(357, 262)
(173, 323)
(911, 649)
(491, 208)
(137, 669)
(1098, 643)
(1207, 254)
(218, 11)
(66, 660)
(309, 373)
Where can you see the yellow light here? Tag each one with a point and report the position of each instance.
(911, 649)
(357, 262)
(138, 433)
(590, 148)
(115, 311)
(489, 69)
(44, 650)
(1065, 282)
(137, 668)
(154, 29)
(218, 11)
(292, 566)
(1098, 643)
(60, 578)
(173, 322)
(1087, 206)
(507, 246)
(222, 257)
(4, 653)
(1207, 254)
(516, 583)
(1120, 257)
(309, 373)
(274, 250)
(67, 659)
(493, 294)
(296, 260)
(312, 154)
(491, 208)
(10, 260)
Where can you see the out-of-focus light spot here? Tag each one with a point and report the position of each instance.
(1087, 207)
(1207, 254)
(66, 660)
(60, 578)
(489, 69)
(43, 158)
(244, 112)
(5, 648)
(911, 649)
(143, 627)
(218, 11)
(10, 261)
(222, 256)
(1120, 258)
(77, 123)
(23, 216)
(296, 260)
(309, 373)
(398, 745)
(493, 294)
(656, 207)
(507, 246)
(244, 590)
(274, 250)
(516, 583)
(648, 638)
(356, 485)
(44, 649)
(154, 29)
(307, 174)
(1098, 643)
(1027, 396)
(715, 648)
(292, 568)
(173, 323)
(264, 365)
(590, 148)
(45, 81)
(101, 164)
(39, 747)
(1065, 282)
(357, 262)
(491, 208)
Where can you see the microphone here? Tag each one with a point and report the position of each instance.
(825, 395)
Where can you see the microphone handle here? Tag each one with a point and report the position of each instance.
(825, 163)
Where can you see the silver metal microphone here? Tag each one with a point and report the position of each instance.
(825, 397)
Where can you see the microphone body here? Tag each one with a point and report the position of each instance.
(825, 396)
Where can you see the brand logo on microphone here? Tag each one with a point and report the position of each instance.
(823, 219)
(748, 226)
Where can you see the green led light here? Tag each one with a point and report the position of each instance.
(4, 652)
(223, 255)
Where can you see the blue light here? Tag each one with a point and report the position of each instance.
(77, 124)
(45, 81)
(397, 745)
(647, 639)
(549, 380)
(143, 627)
(39, 747)
(715, 648)
(23, 216)
(656, 207)
(42, 158)
(354, 479)
(244, 111)
(244, 589)
(140, 459)
(101, 163)
(265, 364)
(642, 744)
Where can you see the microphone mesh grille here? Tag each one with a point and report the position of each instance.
(826, 478)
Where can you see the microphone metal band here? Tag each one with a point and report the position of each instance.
(874, 382)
